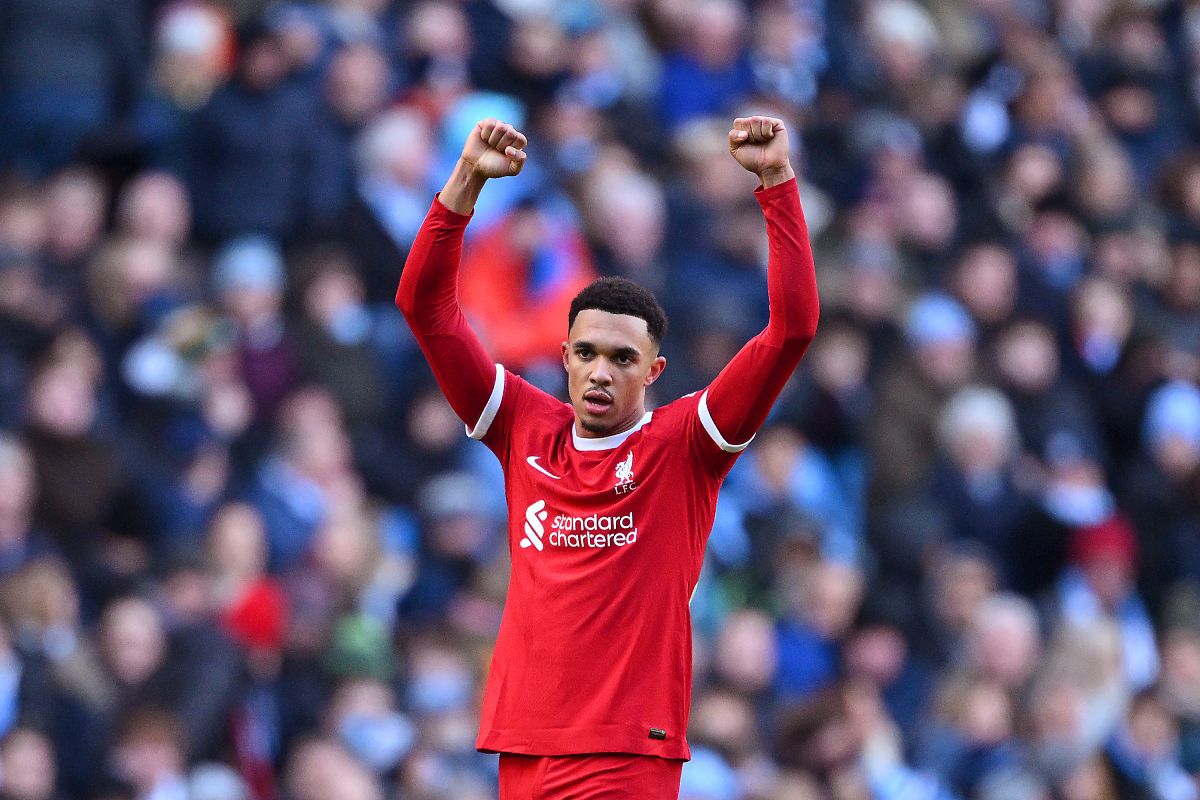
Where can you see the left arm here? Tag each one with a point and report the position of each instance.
(739, 399)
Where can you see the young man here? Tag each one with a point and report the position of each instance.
(610, 505)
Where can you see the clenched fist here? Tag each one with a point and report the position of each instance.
(760, 144)
(494, 149)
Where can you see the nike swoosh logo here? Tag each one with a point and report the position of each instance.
(532, 461)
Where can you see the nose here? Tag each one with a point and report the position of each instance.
(601, 375)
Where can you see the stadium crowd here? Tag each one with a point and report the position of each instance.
(247, 552)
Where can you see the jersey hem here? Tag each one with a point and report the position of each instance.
(599, 739)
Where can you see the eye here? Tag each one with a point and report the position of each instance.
(624, 358)
(583, 353)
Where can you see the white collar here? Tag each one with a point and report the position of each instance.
(607, 442)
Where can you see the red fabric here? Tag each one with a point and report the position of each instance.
(428, 298)
(594, 650)
(595, 645)
(589, 777)
(769, 359)
(1114, 538)
(259, 617)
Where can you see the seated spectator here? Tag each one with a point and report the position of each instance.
(149, 752)
(1145, 752)
(956, 582)
(66, 72)
(821, 607)
(985, 281)
(253, 167)
(709, 71)
(45, 607)
(320, 768)
(902, 433)
(975, 481)
(1100, 584)
(191, 55)
(1160, 490)
(249, 281)
(27, 766)
(786, 477)
(131, 645)
(131, 285)
(295, 484)
(155, 206)
(1029, 370)
(20, 541)
(336, 338)
(81, 476)
(363, 715)
(970, 735)
(1003, 643)
(877, 654)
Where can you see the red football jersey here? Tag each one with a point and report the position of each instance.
(607, 539)
(606, 535)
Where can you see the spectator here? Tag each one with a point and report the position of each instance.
(20, 542)
(518, 278)
(1100, 586)
(253, 167)
(925, 549)
(67, 73)
(976, 482)
(709, 70)
(155, 206)
(249, 280)
(294, 486)
(941, 338)
(28, 766)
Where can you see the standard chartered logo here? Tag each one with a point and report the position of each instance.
(533, 525)
(591, 531)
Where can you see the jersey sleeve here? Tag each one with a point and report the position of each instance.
(514, 403)
(736, 403)
(428, 298)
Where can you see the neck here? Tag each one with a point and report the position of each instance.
(619, 428)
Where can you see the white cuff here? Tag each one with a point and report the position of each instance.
(489, 411)
(711, 427)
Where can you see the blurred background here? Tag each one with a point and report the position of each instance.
(247, 552)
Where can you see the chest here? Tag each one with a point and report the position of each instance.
(589, 480)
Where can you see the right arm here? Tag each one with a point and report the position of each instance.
(428, 291)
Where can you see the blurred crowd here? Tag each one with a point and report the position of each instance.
(247, 553)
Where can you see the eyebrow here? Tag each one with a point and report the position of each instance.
(631, 352)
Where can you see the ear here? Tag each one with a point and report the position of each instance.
(566, 356)
(656, 368)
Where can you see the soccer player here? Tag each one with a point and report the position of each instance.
(610, 505)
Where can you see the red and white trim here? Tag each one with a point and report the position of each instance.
(711, 428)
(493, 406)
(608, 442)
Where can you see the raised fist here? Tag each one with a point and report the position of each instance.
(760, 144)
(494, 149)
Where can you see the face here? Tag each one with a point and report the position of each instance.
(610, 360)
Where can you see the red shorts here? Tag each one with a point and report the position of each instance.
(603, 776)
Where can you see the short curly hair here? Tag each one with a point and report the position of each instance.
(622, 296)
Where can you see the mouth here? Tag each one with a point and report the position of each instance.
(597, 402)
